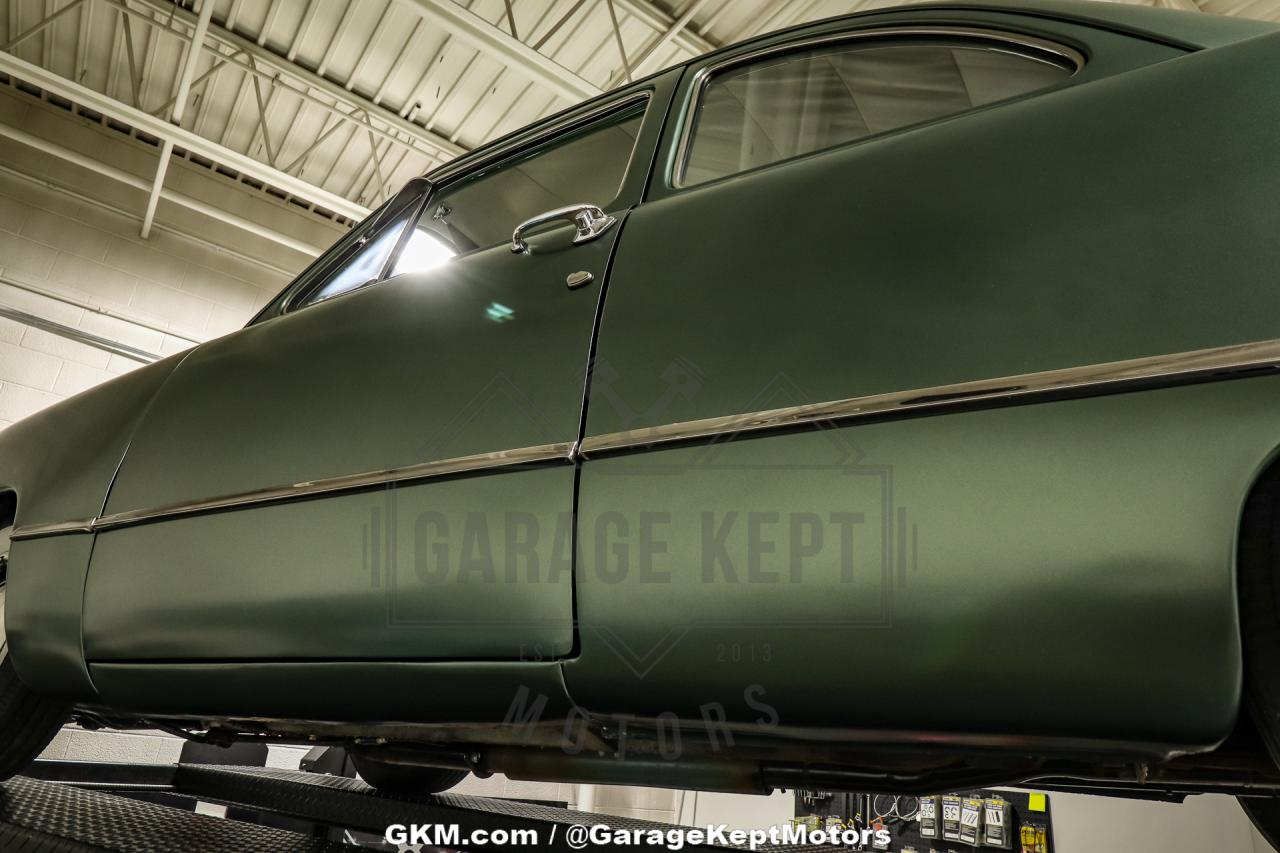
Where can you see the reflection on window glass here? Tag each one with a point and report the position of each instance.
(784, 107)
(363, 268)
(585, 167)
(423, 251)
(358, 259)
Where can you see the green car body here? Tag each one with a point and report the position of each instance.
(924, 455)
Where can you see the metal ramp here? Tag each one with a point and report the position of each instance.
(42, 817)
(91, 807)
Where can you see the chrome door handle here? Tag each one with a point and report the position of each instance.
(591, 222)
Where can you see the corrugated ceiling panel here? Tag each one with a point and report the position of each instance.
(385, 53)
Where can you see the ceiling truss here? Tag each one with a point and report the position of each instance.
(212, 51)
(257, 60)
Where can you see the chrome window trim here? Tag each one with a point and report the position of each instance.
(1158, 371)
(415, 216)
(296, 301)
(442, 182)
(1027, 46)
(457, 168)
(305, 281)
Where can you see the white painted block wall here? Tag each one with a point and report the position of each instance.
(70, 253)
(175, 290)
(1084, 824)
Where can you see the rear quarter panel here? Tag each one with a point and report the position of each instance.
(1059, 569)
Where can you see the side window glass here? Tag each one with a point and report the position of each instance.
(586, 166)
(798, 103)
(479, 209)
(424, 250)
(359, 259)
(361, 268)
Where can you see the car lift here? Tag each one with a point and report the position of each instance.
(90, 807)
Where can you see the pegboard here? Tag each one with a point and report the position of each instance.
(858, 809)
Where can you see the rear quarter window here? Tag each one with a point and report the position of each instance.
(786, 105)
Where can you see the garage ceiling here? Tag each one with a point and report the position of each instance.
(333, 104)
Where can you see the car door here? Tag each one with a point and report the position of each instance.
(859, 218)
(378, 468)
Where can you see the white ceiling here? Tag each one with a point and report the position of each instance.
(361, 95)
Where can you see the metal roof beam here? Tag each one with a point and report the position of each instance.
(128, 178)
(617, 37)
(42, 25)
(180, 137)
(271, 61)
(782, 17)
(645, 63)
(659, 21)
(483, 36)
(188, 72)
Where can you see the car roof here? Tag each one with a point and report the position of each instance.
(1188, 29)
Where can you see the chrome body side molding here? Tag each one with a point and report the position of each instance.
(542, 453)
(53, 528)
(1150, 372)
(1218, 362)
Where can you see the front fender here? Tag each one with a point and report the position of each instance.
(60, 463)
(61, 460)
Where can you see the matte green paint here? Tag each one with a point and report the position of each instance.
(1042, 234)
(42, 614)
(419, 571)
(60, 461)
(1085, 225)
(1192, 28)
(412, 370)
(1068, 571)
(408, 371)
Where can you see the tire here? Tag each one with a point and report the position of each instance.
(404, 778)
(27, 721)
(1258, 570)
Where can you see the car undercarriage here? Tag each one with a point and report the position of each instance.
(737, 759)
